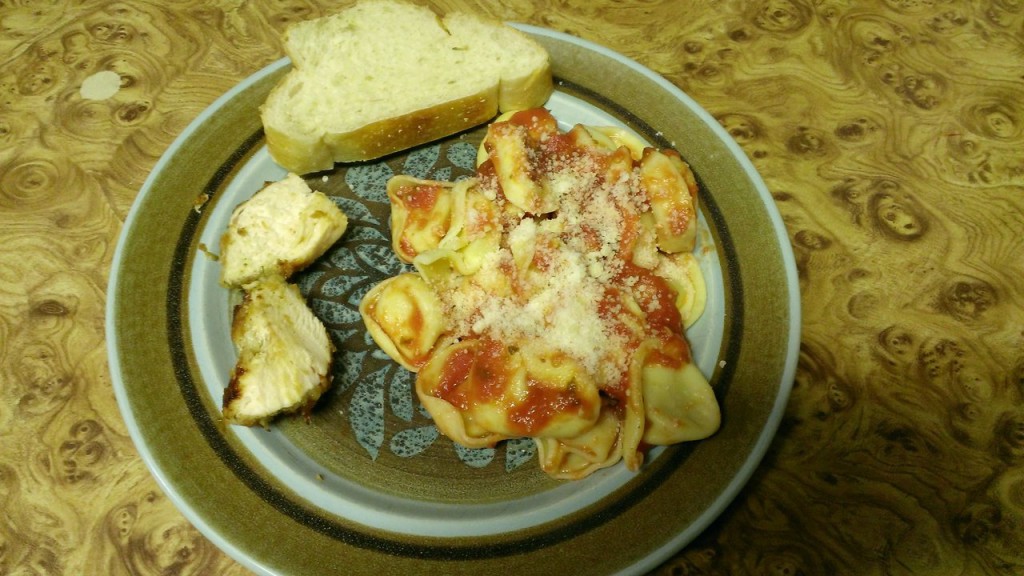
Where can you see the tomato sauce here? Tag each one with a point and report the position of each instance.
(486, 172)
(454, 374)
(490, 375)
(555, 148)
(673, 353)
(538, 122)
(416, 319)
(475, 374)
(421, 200)
(630, 234)
(407, 248)
(541, 405)
(656, 298)
(420, 197)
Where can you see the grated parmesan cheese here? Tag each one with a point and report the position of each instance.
(560, 307)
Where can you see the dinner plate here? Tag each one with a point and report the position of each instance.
(365, 484)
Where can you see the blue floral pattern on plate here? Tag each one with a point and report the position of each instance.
(377, 394)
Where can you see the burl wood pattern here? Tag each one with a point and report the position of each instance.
(891, 135)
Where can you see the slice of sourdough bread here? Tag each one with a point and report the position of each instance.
(386, 75)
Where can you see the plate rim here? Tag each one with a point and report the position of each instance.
(659, 555)
(768, 432)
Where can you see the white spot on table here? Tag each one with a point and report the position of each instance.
(101, 85)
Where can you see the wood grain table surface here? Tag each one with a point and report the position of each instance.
(890, 134)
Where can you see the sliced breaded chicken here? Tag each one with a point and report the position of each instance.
(284, 355)
(283, 228)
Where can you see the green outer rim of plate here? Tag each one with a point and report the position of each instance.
(753, 385)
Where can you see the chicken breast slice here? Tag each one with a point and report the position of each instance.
(284, 355)
(282, 229)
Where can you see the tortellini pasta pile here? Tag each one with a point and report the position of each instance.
(551, 296)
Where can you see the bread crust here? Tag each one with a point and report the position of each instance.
(526, 92)
(378, 139)
(419, 127)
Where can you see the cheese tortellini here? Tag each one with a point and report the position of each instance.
(551, 296)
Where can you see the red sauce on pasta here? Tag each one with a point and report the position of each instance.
(673, 353)
(474, 374)
(656, 298)
(420, 197)
(421, 203)
(490, 371)
(454, 374)
(542, 404)
(582, 223)
(537, 121)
